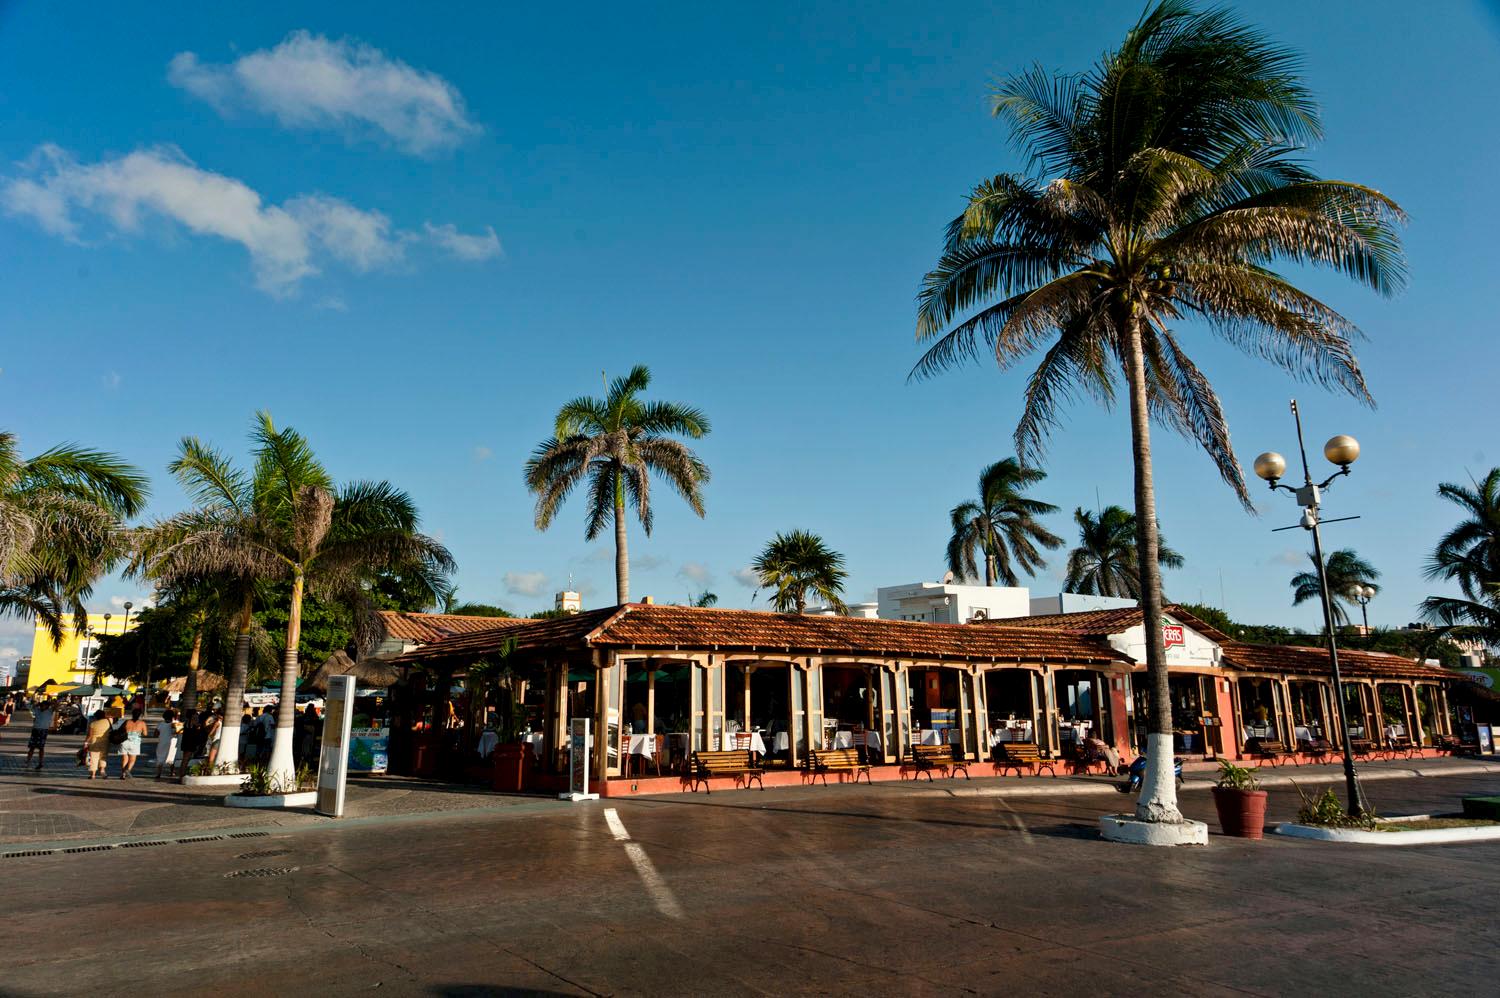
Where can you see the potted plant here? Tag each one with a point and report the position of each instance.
(1240, 801)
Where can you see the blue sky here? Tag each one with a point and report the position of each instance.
(202, 218)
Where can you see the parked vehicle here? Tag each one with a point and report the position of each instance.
(1138, 773)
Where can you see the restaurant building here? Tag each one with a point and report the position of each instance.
(661, 682)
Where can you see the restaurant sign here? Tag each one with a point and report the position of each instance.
(1173, 634)
(579, 744)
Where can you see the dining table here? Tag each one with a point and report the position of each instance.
(867, 739)
(487, 742)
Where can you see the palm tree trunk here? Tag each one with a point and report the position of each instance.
(622, 553)
(989, 569)
(190, 688)
(1158, 800)
(234, 695)
(283, 765)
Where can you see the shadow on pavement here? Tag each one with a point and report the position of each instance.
(205, 800)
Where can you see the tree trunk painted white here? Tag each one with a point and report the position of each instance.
(622, 554)
(1158, 800)
(234, 694)
(283, 764)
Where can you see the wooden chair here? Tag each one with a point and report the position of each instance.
(625, 753)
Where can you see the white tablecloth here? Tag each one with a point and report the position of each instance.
(757, 743)
(1257, 731)
(644, 745)
(1302, 732)
(781, 742)
(845, 739)
(931, 736)
(1395, 731)
(534, 739)
(1020, 734)
(487, 743)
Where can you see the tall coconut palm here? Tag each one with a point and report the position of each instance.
(1105, 561)
(1002, 523)
(615, 443)
(1469, 555)
(286, 521)
(1163, 188)
(796, 564)
(60, 528)
(1347, 572)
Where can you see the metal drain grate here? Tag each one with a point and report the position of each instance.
(201, 838)
(33, 852)
(261, 871)
(263, 853)
(89, 849)
(145, 845)
(248, 835)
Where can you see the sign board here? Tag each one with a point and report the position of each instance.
(1486, 739)
(369, 750)
(579, 744)
(1173, 635)
(333, 764)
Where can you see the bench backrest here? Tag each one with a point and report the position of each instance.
(932, 753)
(1021, 751)
(723, 761)
(844, 758)
(1266, 745)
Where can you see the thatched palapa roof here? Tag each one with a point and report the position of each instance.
(366, 672)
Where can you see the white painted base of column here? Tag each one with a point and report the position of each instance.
(1130, 829)
(304, 798)
(216, 780)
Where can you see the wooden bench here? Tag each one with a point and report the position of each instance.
(1271, 751)
(1454, 745)
(1362, 748)
(1318, 747)
(729, 762)
(926, 758)
(1401, 746)
(1014, 755)
(844, 760)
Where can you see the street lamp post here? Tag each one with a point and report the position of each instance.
(1362, 596)
(1271, 466)
(96, 650)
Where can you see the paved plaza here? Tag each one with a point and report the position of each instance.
(988, 887)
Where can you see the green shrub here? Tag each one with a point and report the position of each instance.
(1232, 777)
(1326, 810)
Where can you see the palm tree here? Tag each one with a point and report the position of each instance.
(286, 521)
(1164, 186)
(797, 563)
(1346, 572)
(1469, 555)
(60, 517)
(1105, 561)
(615, 443)
(1002, 524)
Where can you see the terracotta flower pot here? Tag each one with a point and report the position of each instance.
(1242, 813)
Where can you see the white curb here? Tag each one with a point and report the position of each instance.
(1130, 829)
(1418, 837)
(306, 798)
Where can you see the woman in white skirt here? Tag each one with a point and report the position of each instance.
(167, 734)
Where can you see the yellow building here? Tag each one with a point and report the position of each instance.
(72, 661)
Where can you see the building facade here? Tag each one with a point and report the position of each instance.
(71, 662)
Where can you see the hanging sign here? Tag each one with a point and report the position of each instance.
(1173, 635)
(333, 763)
(579, 744)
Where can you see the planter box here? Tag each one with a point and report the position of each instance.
(1242, 813)
(1417, 837)
(305, 798)
(217, 780)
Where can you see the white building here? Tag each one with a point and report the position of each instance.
(951, 602)
(1076, 603)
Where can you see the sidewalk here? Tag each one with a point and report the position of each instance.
(61, 805)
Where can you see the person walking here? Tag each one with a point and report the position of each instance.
(130, 748)
(213, 727)
(96, 743)
(43, 715)
(192, 740)
(247, 725)
(168, 733)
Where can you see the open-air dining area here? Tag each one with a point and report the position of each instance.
(668, 691)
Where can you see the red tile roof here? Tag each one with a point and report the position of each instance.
(429, 627)
(1101, 623)
(705, 629)
(1353, 664)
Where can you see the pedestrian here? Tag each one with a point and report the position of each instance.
(267, 725)
(213, 726)
(6, 709)
(168, 733)
(130, 748)
(96, 743)
(247, 724)
(192, 740)
(43, 713)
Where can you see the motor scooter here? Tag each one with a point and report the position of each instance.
(1137, 773)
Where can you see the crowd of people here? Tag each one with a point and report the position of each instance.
(183, 737)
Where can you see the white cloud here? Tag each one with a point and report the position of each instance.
(525, 583)
(285, 242)
(9, 653)
(746, 577)
(332, 303)
(483, 453)
(461, 246)
(696, 572)
(309, 81)
(1289, 558)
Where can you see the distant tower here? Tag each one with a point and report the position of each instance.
(569, 601)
